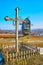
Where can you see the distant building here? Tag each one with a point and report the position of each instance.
(41, 34)
(26, 27)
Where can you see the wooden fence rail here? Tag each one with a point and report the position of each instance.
(8, 56)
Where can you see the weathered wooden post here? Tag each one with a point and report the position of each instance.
(6, 57)
(24, 54)
(16, 21)
(13, 59)
(21, 54)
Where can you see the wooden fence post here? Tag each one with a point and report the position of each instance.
(6, 57)
(10, 56)
(24, 54)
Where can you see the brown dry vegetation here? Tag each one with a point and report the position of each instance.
(8, 38)
(32, 40)
(30, 60)
(6, 35)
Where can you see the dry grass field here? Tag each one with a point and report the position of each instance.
(7, 35)
(31, 60)
(9, 39)
(29, 40)
(33, 40)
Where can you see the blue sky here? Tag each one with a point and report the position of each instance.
(28, 8)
